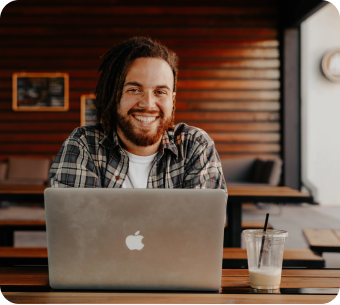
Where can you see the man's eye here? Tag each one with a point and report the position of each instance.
(160, 92)
(133, 90)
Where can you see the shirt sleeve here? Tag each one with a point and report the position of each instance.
(204, 170)
(73, 166)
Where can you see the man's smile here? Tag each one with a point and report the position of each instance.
(145, 119)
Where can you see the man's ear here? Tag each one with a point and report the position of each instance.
(173, 96)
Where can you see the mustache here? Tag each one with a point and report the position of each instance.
(140, 111)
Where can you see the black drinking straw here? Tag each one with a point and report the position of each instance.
(263, 238)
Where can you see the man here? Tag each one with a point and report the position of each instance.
(137, 145)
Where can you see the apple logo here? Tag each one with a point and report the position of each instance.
(134, 242)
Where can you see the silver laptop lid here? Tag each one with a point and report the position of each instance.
(150, 239)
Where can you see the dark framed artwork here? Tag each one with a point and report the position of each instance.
(87, 110)
(40, 91)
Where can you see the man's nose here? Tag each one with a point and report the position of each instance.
(148, 100)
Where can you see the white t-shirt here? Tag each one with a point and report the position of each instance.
(139, 169)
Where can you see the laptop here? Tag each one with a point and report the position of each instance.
(135, 239)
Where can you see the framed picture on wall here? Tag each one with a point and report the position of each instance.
(87, 110)
(40, 91)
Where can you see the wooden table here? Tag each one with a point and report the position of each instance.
(233, 258)
(236, 195)
(9, 226)
(22, 192)
(323, 240)
(30, 285)
(240, 194)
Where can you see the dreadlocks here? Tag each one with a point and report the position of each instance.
(114, 68)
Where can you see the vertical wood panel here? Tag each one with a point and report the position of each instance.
(229, 65)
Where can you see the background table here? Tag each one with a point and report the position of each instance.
(30, 285)
(239, 194)
(25, 193)
(236, 195)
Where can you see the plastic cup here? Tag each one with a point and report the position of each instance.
(267, 273)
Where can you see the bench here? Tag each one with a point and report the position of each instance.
(11, 256)
(232, 257)
(237, 258)
(8, 227)
(321, 240)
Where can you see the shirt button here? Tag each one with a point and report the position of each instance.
(117, 177)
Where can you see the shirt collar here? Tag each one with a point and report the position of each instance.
(168, 142)
(106, 140)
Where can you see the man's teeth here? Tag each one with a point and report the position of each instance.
(145, 119)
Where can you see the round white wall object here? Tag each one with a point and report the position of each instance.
(331, 65)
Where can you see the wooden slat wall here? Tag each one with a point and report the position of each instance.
(229, 65)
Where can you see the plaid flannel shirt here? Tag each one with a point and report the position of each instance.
(187, 158)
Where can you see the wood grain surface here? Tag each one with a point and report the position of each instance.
(151, 2)
(337, 233)
(212, 20)
(39, 276)
(233, 191)
(183, 84)
(160, 298)
(238, 278)
(139, 10)
(22, 252)
(288, 254)
(229, 66)
(319, 237)
(228, 253)
(251, 225)
(22, 222)
(22, 189)
(278, 191)
(36, 278)
(90, 74)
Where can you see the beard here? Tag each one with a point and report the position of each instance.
(142, 136)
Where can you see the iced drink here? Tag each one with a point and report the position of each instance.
(265, 278)
(265, 269)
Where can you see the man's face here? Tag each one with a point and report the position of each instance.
(145, 109)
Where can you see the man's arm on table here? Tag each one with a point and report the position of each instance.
(74, 166)
(203, 169)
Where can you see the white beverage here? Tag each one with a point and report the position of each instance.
(265, 277)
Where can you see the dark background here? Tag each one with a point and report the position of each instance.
(239, 68)
(229, 65)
